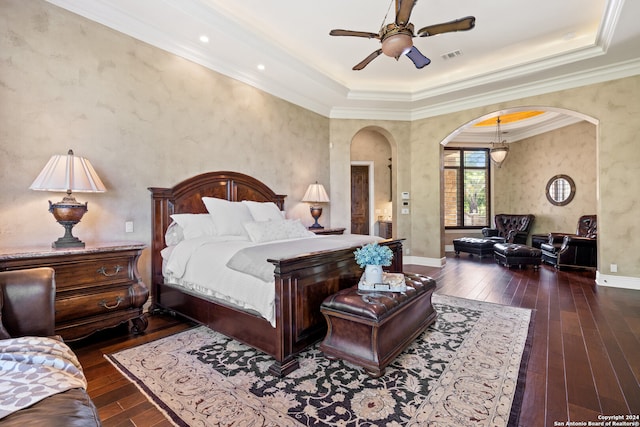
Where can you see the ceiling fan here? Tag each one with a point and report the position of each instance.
(396, 38)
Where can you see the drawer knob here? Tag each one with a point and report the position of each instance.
(117, 269)
(104, 304)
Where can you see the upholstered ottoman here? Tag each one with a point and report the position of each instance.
(370, 328)
(509, 254)
(473, 245)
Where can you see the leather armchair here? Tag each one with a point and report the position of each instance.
(27, 301)
(573, 250)
(510, 228)
(27, 307)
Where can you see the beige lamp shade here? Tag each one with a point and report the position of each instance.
(68, 174)
(316, 194)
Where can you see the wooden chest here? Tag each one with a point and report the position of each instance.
(97, 287)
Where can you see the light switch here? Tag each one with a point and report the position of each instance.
(405, 211)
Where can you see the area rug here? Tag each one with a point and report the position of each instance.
(467, 369)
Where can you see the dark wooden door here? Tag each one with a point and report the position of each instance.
(360, 199)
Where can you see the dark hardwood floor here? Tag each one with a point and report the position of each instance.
(585, 356)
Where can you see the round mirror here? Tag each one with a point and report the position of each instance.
(560, 190)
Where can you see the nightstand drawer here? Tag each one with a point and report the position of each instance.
(92, 272)
(86, 305)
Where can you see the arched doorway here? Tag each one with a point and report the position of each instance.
(371, 183)
(557, 141)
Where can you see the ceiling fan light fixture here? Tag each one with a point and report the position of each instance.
(397, 45)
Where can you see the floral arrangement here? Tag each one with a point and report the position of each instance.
(373, 254)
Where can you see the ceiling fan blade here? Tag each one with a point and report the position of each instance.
(368, 59)
(354, 34)
(419, 60)
(462, 24)
(403, 11)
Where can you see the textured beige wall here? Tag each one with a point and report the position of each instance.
(521, 181)
(369, 145)
(143, 117)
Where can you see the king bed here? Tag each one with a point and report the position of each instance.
(298, 279)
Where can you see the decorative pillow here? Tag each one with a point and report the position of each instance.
(3, 332)
(174, 234)
(189, 226)
(264, 211)
(228, 217)
(267, 231)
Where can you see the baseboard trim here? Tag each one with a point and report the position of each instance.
(624, 282)
(424, 261)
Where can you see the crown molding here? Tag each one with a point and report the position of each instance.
(567, 81)
(323, 95)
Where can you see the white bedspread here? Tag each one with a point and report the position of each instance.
(200, 265)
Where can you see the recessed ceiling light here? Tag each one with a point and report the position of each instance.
(261, 67)
(204, 39)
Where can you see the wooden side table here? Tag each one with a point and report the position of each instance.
(97, 287)
(324, 231)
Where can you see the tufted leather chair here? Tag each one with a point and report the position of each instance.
(510, 228)
(573, 250)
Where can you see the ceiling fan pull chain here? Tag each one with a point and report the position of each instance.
(386, 14)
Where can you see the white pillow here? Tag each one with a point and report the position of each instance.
(228, 217)
(174, 234)
(264, 211)
(189, 226)
(267, 231)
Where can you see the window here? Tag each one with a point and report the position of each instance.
(466, 188)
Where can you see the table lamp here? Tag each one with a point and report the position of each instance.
(68, 174)
(316, 194)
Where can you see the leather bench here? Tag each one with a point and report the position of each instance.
(474, 245)
(370, 328)
(509, 254)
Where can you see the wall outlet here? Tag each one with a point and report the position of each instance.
(128, 227)
(613, 268)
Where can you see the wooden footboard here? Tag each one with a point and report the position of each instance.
(302, 282)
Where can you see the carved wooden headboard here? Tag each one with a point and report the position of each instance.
(186, 197)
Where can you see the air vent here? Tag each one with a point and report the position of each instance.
(452, 54)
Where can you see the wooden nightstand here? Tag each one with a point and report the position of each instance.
(324, 231)
(97, 287)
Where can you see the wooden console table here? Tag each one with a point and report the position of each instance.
(97, 287)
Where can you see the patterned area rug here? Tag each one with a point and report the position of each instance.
(467, 369)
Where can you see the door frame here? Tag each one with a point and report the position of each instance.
(370, 164)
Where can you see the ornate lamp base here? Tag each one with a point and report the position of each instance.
(68, 213)
(68, 240)
(316, 211)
